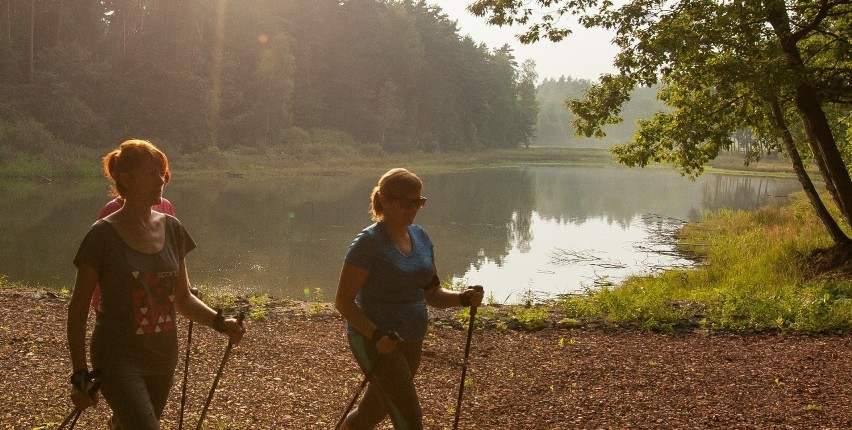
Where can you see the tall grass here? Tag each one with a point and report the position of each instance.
(752, 278)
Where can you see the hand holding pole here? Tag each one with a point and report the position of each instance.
(91, 389)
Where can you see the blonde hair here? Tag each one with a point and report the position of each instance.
(394, 184)
(127, 157)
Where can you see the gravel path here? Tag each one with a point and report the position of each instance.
(294, 371)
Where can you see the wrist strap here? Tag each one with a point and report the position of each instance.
(79, 379)
(379, 333)
(219, 322)
(85, 381)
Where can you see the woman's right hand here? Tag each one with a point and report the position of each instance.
(387, 343)
(82, 400)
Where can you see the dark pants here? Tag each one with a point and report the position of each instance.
(391, 389)
(137, 401)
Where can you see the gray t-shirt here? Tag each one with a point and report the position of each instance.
(135, 324)
(392, 297)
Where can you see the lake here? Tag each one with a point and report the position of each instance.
(523, 233)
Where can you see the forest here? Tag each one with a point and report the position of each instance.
(290, 78)
(555, 127)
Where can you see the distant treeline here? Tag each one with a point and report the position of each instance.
(287, 76)
(554, 120)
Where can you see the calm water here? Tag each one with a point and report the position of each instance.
(519, 232)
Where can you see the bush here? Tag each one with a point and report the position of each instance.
(26, 135)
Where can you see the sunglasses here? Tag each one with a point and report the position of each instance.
(404, 203)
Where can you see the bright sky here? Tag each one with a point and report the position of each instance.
(585, 54)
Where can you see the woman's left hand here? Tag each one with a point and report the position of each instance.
(234, 330)
(473, 295)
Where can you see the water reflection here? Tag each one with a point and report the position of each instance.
(498, 227)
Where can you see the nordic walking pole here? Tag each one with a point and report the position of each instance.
(464, 363)
(240, 318)
(194, 292)
(355, 397)
(75, 413)
(74, 421)
(364, 381)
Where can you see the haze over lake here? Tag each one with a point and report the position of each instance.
(520, 232)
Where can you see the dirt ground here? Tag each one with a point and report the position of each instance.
(294, 371)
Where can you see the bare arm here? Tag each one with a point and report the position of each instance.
(440, 297)
(351, 280)
(78, 314)
(196, 310)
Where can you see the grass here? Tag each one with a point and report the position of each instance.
(316, 298)
(751, 279)
(260, 163)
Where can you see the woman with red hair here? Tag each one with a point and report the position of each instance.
(136, 255)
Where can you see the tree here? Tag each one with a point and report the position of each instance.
(527, 103)
(724, 66)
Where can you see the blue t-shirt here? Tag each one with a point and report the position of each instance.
(392, 297)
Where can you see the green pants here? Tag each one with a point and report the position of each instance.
(390, 391)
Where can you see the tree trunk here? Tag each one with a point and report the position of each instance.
(9, 22)
(821, 139)
(216, 73)
(59, 17)
(31, 65)
(807, 185)
(820, 135)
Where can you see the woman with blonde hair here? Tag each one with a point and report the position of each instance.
(388, 278)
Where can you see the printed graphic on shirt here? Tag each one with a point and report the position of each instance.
(153, 298)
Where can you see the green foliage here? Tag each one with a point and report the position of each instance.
(270, 86)
(226, 302)
(530, 318)
(812, 407)
(258, 306)
(25, 135)
(316, 298)
(28, 149)
(750, 280)
(725, 67)
(462, 317)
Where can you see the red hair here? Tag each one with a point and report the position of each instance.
(127, 157)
